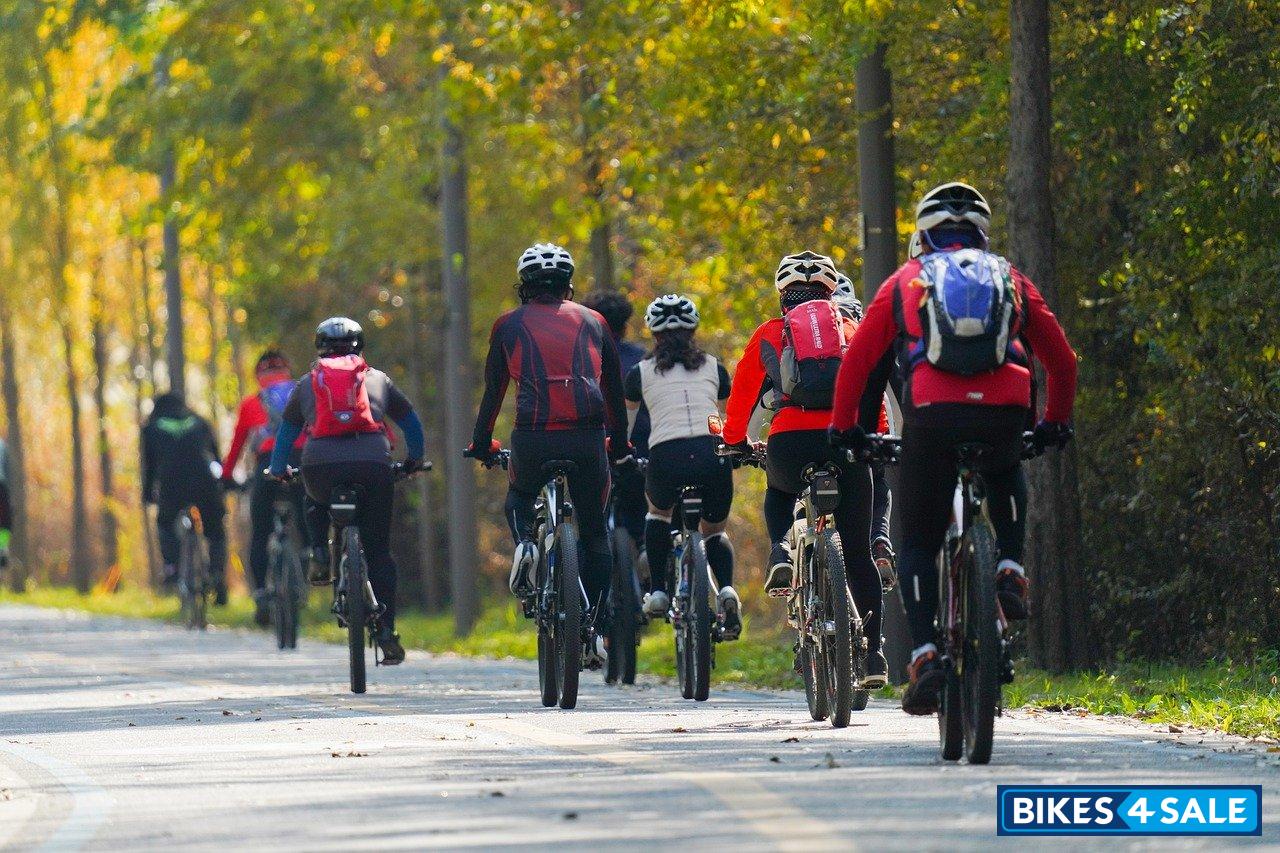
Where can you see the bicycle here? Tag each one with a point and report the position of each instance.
(625, 616)
(194, 583)
(558, 602)
(287, 585)
(356, 607)
(976, 639)
(831, 644)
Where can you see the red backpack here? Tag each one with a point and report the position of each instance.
(814, 338)
(342, 401)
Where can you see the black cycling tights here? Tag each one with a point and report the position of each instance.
(376, 503)
(788, 454)
(588, 487)
(928, 487)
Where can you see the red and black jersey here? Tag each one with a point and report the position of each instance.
(565, 367)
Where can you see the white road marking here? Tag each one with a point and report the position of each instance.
(90, 803)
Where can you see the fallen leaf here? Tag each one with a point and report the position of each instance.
(792, 740)
(679, 730)
(570, 815)
(133, 725)
(775, 759)
(496, 794)
(179, 718)
(228, 713)
(1175, 729)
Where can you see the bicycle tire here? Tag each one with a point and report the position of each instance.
(950, 717)
(980, 679)
(815, 681)
(839, 643)
(624, 607)
(294, 595)
(548, 684)
(569, 635)
(357, 607)
(698, 620)
(277, 594)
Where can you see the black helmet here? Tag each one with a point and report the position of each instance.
(339, 336)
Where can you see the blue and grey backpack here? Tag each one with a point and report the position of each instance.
(967, 316)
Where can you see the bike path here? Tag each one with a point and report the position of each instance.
(125, 734)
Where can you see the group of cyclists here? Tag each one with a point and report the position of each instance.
(956, 323)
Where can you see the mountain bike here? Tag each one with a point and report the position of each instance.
(287, 585)
(558, 602)
(976, 640)
(625, 616)
(194, 583)
(831, 643)
(356, 607)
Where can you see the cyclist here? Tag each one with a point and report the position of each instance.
(344, 405)
(628, 483)
(943, 407)
(180, 469)
(678, 386)
(257, 422)
(6, 510)
(882, 498)
(569, 394)
(797, 438)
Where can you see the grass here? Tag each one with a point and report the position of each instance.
(1241, 699)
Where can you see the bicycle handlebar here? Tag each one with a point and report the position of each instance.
(399, 471)
(501, 459)
(755, 459)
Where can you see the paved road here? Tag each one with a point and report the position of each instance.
(119, 734)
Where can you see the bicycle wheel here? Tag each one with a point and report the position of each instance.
(356, 605)
(624, 606)
(294, 589)
(814, 671)
(950, 718)
(837, 637)
(980, 678)
(548, 684)
(569, 629)
(698, 619)
(277, 593)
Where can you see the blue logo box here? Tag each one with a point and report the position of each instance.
(1128, 810)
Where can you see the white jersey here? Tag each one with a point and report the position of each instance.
(680, 400)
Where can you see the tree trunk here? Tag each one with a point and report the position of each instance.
(81, 570)
(59, 257)
(458, 401)
(1059, 632)
(211, 365)
(878, 200)
(235, 335)
(19, 568)
(101, 367)
(175, 353)
(143, 365)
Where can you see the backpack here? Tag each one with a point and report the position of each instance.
(273, 399)
(968, 311)
(813, 345)
(342, 401)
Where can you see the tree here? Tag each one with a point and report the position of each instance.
(877, 198)
(1059, 633)
(458, 399)
(101, 368)
(175, 347)
(13, 438)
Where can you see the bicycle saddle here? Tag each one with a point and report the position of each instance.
(557, 468)
(344, 502)
(973, 454)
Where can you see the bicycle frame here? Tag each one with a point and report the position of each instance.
(806, 533)
(969, 509)
(552, 508)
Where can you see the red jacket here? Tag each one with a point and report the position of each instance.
(252, 422)
(897, 302)
(748, 384)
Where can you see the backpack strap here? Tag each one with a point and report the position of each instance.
(771, 361)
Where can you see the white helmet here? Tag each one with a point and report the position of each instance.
(915, 248)
(544, 260)
(671, 311)
(807, 268)
(846, 297)
(953, 203)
